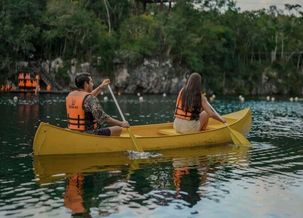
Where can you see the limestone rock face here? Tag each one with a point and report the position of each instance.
(151, 77)
(121, 77)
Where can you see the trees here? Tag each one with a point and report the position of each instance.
(19, 22)
(70, 30)
(234, 50)
(139, 37)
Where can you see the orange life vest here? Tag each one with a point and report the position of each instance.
(21, 83)
(185, 115)
(28, 83)
(77, 118)
(34, 83)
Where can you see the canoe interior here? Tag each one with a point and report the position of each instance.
(154, 130)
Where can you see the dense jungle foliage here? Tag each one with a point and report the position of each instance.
(235, 50)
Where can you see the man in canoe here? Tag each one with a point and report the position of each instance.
(84, 112)
(192, 108)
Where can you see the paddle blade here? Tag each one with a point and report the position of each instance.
(238, 138)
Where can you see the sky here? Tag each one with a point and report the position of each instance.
(259, 4)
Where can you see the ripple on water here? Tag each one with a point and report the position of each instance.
(276, 122)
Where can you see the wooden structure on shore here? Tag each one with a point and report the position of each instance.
(160, 2)
(27, 82)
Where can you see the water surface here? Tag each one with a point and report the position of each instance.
(265, 180)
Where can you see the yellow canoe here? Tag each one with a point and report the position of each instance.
(53, 140)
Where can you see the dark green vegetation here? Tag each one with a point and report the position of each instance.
(237, 51)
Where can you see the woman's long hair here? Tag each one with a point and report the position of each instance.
(191, 94)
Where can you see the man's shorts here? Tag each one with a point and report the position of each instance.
(103, 131)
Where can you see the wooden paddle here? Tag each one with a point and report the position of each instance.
(133, 138)
(237, 137)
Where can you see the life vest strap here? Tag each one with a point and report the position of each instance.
(81, 123)
(70, 118)
(76, 124)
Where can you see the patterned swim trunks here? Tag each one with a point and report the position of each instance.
(100, 131)
(103, 131)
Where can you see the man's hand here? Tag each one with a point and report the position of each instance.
(104, 83)
(222, 120)
(124, 124)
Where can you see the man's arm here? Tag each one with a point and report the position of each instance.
(92, 104)
(103, 85)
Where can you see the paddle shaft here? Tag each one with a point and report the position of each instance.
(237, 137)
(138, 148)
(117, 105)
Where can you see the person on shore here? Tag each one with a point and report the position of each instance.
(84, 112)
(192, 108)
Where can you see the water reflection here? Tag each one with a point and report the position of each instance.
(28, 110)
(116, 182)
(265, 181)
(73, 197)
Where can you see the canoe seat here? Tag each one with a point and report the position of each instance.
(172, 131)
(168, 132)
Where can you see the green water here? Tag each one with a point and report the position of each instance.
(265, 180)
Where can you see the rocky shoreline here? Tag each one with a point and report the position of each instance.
(152, 76)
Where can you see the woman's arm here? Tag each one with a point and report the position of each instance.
(211, 111)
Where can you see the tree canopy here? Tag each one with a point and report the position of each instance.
(237, 51)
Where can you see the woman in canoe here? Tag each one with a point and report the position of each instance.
(192, 108)
(84, 112)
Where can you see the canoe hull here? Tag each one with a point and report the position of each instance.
(51, 140)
